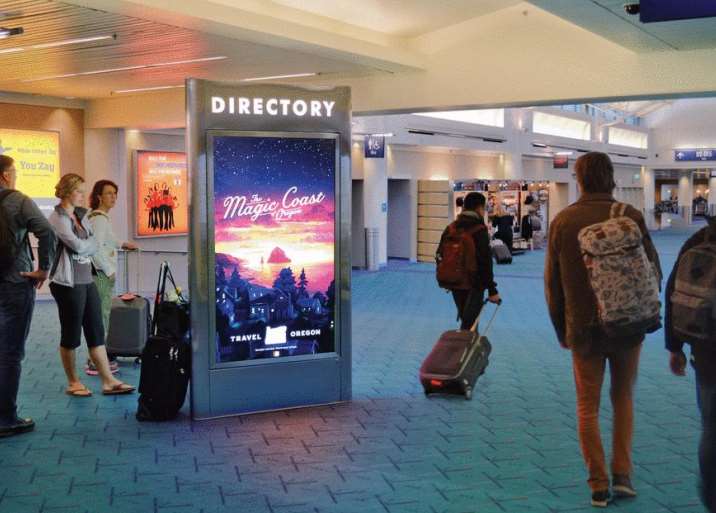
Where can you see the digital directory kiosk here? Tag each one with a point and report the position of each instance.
(269, 246)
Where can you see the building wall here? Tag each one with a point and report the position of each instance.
(69, 122)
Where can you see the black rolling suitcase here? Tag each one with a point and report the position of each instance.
(166, 359)
(457, 359)
(501, 252)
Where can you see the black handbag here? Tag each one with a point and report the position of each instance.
(171, 319)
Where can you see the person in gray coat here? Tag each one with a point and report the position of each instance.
(18, 282)
(72, 286)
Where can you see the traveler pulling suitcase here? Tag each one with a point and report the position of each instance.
(501, 252)
(458, 358)
(166, 359)
(129, 320)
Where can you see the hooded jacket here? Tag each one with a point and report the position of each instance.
(70, 246)
(485, 279)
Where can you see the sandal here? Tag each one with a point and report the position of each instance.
(118, 389)
(81, 391)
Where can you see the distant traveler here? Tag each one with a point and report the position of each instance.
(19, 215)
(72, 286)
(465, 261)
(602, 278)
(503, 223)
(102, 200)
(690, 318)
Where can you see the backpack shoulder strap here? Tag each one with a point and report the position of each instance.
(617, 210)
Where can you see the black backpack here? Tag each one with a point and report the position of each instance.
(9, 248)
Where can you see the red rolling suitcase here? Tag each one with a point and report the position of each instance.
(457, 359)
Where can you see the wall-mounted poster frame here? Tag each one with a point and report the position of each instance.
(161, 205)
(37, 161)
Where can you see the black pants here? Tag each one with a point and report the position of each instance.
(17, 301)
(706, 397)
(469, 303)
(79, 308)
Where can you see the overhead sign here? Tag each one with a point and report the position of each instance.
(37, 161)
(667, 10)
(257, 106)
(162, 194)
(560, 162)
(695, 155)
(374, 146)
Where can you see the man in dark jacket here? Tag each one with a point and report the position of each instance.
(703, 359)
(17, 291)
(469, 302)
(573, 311)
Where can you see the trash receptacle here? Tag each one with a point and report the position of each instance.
(371, 249)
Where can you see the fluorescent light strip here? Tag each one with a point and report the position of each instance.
(278, 77)
(127, 68)
(141, 89)
(55, 44)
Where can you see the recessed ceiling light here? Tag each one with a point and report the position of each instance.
(127, 68)
(278, 77)
(141, 89)
(7, 32)
(55, 44)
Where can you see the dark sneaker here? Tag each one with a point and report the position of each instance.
(621, 485)
(20, 426)
(601, 499)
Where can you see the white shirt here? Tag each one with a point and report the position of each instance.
(105, 259)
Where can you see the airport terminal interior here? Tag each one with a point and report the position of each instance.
(196, 106)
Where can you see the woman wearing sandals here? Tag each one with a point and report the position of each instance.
(75, 293)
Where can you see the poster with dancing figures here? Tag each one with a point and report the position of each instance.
(162, 194)
(274, 215)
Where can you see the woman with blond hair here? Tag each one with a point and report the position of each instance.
(72, 286)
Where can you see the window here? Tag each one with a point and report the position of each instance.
(487, 117)
(630, 138)
(549, 124)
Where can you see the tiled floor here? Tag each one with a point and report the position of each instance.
(513, 448)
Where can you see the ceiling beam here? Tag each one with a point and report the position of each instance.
(314, 35)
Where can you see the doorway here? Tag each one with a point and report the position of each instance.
(357, 226)
(399, 219)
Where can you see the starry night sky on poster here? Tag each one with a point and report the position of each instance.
(269, 165)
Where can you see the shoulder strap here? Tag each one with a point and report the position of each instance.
(4, 194)
(96, 213)
(618, 209)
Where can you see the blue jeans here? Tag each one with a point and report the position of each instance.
(706, 397)
(17, 301)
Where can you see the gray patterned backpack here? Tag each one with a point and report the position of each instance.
(624, 281)
(694, 298)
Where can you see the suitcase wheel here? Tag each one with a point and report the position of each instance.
(426, 391)
(468, 393)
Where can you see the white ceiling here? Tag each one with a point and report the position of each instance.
(138, 43)
(608, 19)
(402, 18)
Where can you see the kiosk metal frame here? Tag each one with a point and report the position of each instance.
(230, 388)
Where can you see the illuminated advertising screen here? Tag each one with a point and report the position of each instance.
(162, 192)
(37, 161)
(274, 240)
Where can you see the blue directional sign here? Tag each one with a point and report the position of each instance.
(668, 10)
(695, 155)
(374, 146)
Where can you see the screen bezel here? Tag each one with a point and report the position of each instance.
(211, 278)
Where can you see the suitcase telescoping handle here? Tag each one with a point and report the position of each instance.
(489, 324)
(126, 269)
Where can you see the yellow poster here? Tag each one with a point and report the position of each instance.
(37, 160)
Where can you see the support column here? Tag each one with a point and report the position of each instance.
(648, 181)
(375, 202)
(712, 194)
(686, 195)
